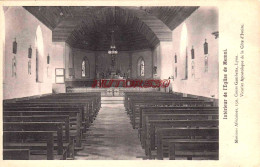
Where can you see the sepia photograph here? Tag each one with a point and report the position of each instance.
(170, 84)
(87, 83)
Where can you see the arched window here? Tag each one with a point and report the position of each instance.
(193, 69)
(85, 68)
(176, 72)
(140, 67)
(39, 55)
(206, 55)
(183, 51)
(206, 63)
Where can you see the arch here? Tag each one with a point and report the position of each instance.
(85, 68)
(39, 55)
(183, 50)
(141, 67)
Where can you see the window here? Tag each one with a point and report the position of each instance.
(206, 63)
(193, 69)
(14, 67)
(85, 68)
(140, 69)
(206, 55)
(37, 66)
(176, 72)
(183, 51)
(39, 63)
(29, 67)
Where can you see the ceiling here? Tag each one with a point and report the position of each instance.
(90, 27)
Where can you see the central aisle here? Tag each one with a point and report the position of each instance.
(111, 136)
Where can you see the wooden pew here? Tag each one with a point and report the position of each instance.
(87, 115)
(88, 104)
(147, 99)
(73, 114)
(143, 131)
(69, 137)
(152, 96)
(130, 95)
(193, 148)
(16, 154)
(160, 111)
(136, 119)
(13, 136)
(43, 118)
(86, 120)
(40, 126)
(192, 133)
(186, 103)
(174, 110)
(95, 101)
(91, 102)
(152, 126)
(96, 95)
(93, 98)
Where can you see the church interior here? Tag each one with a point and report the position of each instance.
(52, 55)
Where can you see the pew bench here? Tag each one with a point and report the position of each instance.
(71, 114)
(159, 116)
(173, 110)
(16, 154)
(176, 111)
(86, 115)
(86, 121)
(163, 118)
(11, 138)
(59, 144)
(135, 114)
(183, 133)
(192, 148)
(150, 134)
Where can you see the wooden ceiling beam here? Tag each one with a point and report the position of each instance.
(136, 26)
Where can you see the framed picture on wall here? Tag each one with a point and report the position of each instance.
(59, 71)
(59, 75)
(59, 79)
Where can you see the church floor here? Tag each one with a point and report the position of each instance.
(111, 137)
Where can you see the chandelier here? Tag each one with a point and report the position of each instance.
(112, 50)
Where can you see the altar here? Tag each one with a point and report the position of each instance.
(109, 83)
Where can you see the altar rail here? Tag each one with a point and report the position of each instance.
(110, 91)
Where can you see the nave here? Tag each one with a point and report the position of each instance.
(111, 136)
(78, 126)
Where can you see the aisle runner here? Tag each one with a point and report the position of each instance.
(111, 137)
